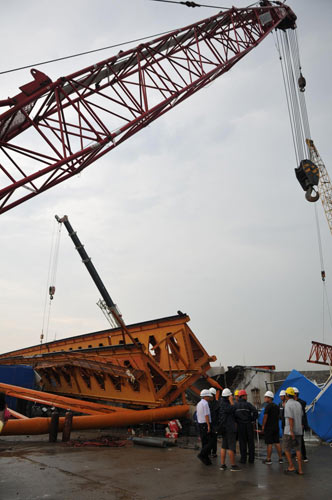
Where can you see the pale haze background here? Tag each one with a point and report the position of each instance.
(201, 211)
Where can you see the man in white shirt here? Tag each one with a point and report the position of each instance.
(204, 424)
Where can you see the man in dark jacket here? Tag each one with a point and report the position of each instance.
(304, 423)
(270, 427)
(227, 428)
(245, 416)
(214, 411)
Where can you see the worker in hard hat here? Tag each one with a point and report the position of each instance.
(270, 427)
(236, 396)
(246, 416)
(282, 395)
(305, 425)
(214, 411)
(293, 431)
(204, 425)
(227, 429)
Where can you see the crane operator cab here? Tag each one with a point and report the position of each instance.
(308, 176)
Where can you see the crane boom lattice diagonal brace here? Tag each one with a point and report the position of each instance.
(53, 130)
(325, 185)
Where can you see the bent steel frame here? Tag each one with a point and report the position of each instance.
(53, 130)
(166, 359)
(321, 354)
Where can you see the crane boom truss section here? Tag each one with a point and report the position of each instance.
(324, 185)
(320, 354)
(54, 130)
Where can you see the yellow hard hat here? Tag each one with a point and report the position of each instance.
(290, 391)
(1, 426)
(236, 393)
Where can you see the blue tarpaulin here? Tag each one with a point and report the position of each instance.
(320, 414)
(308, 390)
(22, 376)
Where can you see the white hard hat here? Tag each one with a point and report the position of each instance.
(205, 393)
(213, 391)
(282, 393)
(225, 393)
(269, 394)
(295, 389)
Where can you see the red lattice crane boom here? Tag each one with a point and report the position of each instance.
(53, 130)
(320, 353)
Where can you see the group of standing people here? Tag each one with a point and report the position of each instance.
(231, 419)
(234, 418)
(291, 413)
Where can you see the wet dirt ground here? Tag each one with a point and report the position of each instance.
(32, 468)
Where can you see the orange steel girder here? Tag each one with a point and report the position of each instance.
(84, 380)
(58, 401)
(169, 341)
(100, 366)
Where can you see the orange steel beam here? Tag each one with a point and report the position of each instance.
(58, 401)
(213, 383)
(186, 352)
(41, 425)
(98, 366)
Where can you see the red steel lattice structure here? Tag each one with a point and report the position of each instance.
(53, 130)
(320, 354)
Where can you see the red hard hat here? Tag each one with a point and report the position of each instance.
(242, 393)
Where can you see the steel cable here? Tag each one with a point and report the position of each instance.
(278, 47)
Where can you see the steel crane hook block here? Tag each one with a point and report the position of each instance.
(308, 176)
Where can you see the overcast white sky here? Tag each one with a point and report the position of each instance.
(200, 211)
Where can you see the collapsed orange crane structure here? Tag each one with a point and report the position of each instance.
(165, 360)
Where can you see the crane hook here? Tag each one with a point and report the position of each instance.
(309, 196)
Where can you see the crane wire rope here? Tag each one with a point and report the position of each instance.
(191, 4)
(87, 52)
(79, 54)
(325, 298)
(51, 280)
(289, 55)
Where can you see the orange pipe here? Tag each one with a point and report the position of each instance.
(15, 414)
(41, 425)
